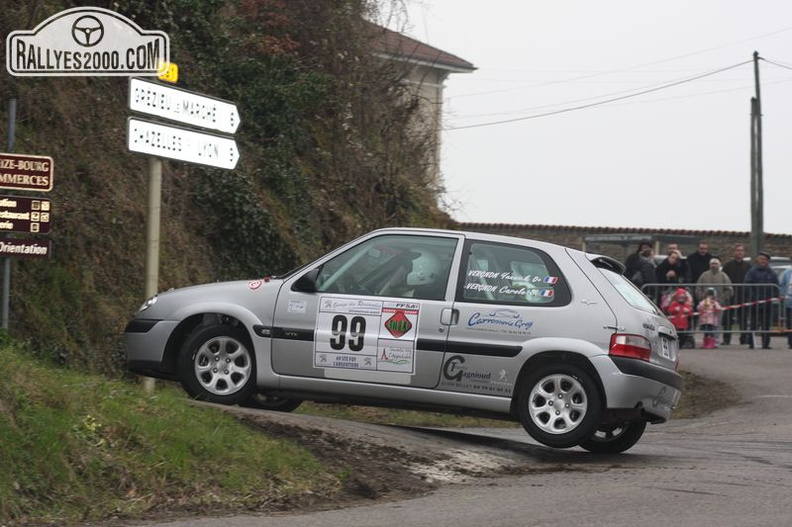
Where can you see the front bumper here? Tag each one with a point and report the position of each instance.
(146, 341)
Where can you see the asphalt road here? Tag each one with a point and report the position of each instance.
(731, 468)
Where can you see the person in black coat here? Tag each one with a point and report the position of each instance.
(736, 269)
(763, 288)
(631, 263)
(673, 270)
(698, 262)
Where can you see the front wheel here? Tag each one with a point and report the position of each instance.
(559, 405)
(615, 439)
(216, 365)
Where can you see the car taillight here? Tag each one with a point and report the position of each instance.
(633, 346)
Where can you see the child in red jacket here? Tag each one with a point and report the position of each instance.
(679, 311)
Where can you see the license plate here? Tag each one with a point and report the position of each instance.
(669, 348)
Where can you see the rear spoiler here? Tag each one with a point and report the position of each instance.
(606, 262)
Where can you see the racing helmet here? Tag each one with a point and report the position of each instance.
(425, 268)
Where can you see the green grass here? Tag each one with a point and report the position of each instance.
(79, 447)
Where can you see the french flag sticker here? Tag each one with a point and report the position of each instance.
(547, 293)
(550, 279)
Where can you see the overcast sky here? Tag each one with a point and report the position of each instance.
(677, 157)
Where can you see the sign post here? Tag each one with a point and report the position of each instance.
(182, 143)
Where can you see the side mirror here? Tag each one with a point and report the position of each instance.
(307, 282)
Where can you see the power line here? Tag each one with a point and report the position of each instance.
(606, 101)
(778, 64)
(621, 70)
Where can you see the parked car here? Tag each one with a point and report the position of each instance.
(449, 321)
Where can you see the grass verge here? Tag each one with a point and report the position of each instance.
(77, 447)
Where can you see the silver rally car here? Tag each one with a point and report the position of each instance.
(447, 321)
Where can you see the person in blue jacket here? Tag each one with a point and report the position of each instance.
(786, 293)
(764, 287)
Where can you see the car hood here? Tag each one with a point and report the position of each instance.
(175, 304)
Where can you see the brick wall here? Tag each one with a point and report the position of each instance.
(721, 243)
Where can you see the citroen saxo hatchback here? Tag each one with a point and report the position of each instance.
(448, 321)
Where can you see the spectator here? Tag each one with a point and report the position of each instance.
(698, 262)
(679, 312)
(675, 247)
(631, 263)
(645, 269)
(764, 287)
(709, 317)
(671, 271)
(786, 293)
(717, 280)
(735, 269)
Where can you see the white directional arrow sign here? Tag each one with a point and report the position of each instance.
(182, 106)
(173, 142)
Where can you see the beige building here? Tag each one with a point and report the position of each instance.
(426, 70)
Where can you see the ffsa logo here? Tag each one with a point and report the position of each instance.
(87, 41)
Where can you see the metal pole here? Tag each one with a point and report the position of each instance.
(6, 300)
(153, 225)
(759, 183)
(153, 237)
(755, 233)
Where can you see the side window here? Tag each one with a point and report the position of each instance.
(509, 274)
(392, 265)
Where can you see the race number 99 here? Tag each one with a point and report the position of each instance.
(349, 332)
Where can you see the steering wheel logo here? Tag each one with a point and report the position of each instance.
(87, 31)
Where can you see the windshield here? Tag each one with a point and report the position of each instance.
(629, 292)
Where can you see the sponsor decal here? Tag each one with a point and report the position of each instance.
(457, 375)
(366, 335)
(398, 325)
(501, 320)
(298, 306)
(254, 284)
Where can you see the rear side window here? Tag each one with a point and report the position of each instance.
(628, 291)
(509, 274)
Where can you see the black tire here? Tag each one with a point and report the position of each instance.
(559, 405)
(217, 364)
(273, 403)
(615, 439)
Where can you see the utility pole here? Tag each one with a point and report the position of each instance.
(757, 186)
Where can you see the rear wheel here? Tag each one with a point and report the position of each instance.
(559, 405)
(615, 439)
(274, 403)
(216, 364)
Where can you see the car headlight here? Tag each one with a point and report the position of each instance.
(148, 303)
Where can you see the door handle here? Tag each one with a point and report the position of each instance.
(449, 317)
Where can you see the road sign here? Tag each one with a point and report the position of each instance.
(24, 214)
(25, 248)
(182, 106)
(24, 172)
(173, 142)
